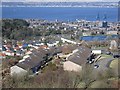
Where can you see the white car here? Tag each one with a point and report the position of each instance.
(96, 66)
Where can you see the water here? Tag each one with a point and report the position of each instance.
(60, 13)
(98, 38)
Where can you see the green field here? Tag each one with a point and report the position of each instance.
(114, 64)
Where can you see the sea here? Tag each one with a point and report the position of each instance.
(61, 13)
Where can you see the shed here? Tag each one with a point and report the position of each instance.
(97, 51)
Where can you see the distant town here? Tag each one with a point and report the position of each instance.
(56, 54)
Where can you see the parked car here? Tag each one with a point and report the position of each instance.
(108, 53)
(116, 56)
(91, 61)
(96, 66)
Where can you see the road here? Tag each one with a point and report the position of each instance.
(103, 64)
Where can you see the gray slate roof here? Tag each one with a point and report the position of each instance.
(80, 57)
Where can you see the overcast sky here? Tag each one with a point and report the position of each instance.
(59, 0)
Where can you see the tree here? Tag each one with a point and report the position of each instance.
(87, 75)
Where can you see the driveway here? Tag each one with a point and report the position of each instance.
(104, 64)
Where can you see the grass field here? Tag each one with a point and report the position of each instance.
(114, 64)
(104, 56)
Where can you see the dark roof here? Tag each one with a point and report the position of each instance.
(54, 50)
(30, 63)
(80, 56)
(69, 48)
(36, 57)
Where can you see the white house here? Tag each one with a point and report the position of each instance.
(22, 60)
(8, 53)
(26, 56)
(15, 70)
(71, 66)
(86, 33)
(113, 44)
(97, 51)
(77, 59)
(69, 41)
(52, 44)
(112, 32)
(30, 45)
(29, 52)
(36, 47)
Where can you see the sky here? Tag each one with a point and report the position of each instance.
(59, 0)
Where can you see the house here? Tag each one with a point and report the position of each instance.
(112, 32)
(31, 62)
(71, 66)
(69, 41)
(2, 55)
(86, 33)
(77, 59)
(35, 61)
(8, 53)
(28, 52)
(52, 44)
(97, 51)
(44, 46)
(66, 49)
(19, 53)
(17, 70)
(113, 44)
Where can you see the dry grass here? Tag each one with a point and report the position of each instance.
(99, 84)
(81, 85)
(114, 64)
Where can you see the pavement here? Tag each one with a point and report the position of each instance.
(103, 64)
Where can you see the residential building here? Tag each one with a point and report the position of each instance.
(76, 60)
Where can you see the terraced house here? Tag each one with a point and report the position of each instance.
(37, 60)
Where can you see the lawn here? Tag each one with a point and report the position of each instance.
(101, 47)
(114, 64)
(104, 56)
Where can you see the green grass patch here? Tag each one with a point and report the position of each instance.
(106, 56)
(114, 64)
(101, 47)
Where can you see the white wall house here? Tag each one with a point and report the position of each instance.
(26, 56)
(112, 32)
(113, 44)
(53, 44)
(15, 70)
(71, 66)
(69, 41)
(8, 53)
(97, 51)
(86, 34)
